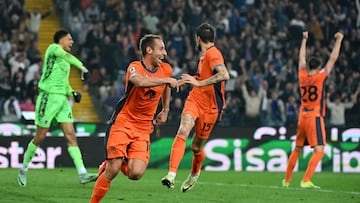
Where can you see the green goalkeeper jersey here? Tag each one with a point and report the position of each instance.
(56, 70)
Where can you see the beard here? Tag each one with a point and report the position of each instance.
(199, 47)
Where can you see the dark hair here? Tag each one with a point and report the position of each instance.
(206, 32)
(60, 34)
(314, 63)
(147, 41)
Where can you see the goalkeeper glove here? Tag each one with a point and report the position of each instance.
(84, 76)
(84, 73)
(77, 96)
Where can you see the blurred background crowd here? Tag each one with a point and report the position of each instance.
(259, 39)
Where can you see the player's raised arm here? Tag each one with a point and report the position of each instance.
(335, 52)
(61, 53)
(302, 52)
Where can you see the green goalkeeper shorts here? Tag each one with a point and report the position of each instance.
(52, 108)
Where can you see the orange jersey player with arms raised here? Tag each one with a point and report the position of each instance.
(202, 108)
(127, 139)
(311, 128)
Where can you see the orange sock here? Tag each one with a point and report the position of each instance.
(124, 168)
(197, 162)
(101, 187)
(291, 164)
(314, 161)
(177, 153)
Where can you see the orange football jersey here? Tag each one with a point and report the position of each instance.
(138, 105)
(210, 97)
(312, 89)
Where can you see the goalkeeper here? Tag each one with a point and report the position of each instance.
(52, 105)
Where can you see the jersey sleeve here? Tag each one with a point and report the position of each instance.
(132, 69)
(215, 58)
(61, 53)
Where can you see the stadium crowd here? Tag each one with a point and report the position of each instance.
(259, 39)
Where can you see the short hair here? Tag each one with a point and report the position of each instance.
(206, 32)
(147, 41)
(60, 34)
(314, 63)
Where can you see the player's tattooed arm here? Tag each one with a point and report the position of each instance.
(222, 74)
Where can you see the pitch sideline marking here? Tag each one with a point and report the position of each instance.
(277, 187)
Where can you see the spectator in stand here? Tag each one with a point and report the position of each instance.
(278, 61)
(107, 56)
(12, 25)
(176, 108)
(5, 45)
(297, 26)
(33, 69)
(18, 85)
(110, 102)
(3, 68)
(92, 13)
(11, 109)
(232, 113)
(93, 59)
(18, 62)
(33, 53)
(35, 18)
(252, 104)
(94, 37)
(288, 91)
(337, 109)
(353, 119)
(276, 110)
(173, 59)
(5, 85)
(151, 21)
(264, 105)
(27, 105)
(230, 84)
(32, 90)
(178, 31)
(291, 111)
(76, 20)
(120, 85)
(103, 84)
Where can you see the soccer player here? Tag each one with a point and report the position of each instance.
(202, 108)
(127, 139)
(52, 105)
(311, 128)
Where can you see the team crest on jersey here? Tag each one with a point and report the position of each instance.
(132, 69)
(150, 93)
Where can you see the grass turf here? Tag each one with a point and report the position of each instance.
(62, 185)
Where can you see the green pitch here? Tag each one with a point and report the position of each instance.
(62, 185)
